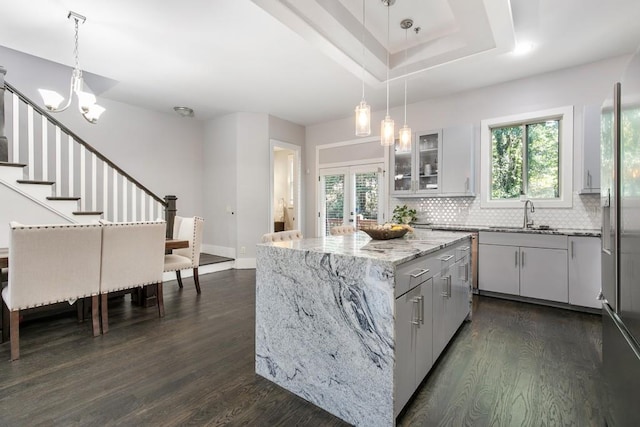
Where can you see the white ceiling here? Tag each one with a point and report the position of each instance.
(300, 60)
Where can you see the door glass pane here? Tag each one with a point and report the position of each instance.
(402, 168)
(334, 201)
(367, 193)
(428, 161)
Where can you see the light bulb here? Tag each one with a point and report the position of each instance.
(405, 138)
(363, 119)
(387, 131)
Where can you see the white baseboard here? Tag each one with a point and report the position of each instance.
(219, 250)
(245, 263)
(204, 269)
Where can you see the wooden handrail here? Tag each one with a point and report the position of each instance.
(80, 141)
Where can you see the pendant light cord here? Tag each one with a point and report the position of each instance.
(388, 19)
(363, 50)
(406, 40)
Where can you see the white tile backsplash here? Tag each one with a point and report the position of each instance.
(585, 213)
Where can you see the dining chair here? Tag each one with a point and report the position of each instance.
(190, 229)
(49, 264)
(340, 230)
(132, 257)
(282, 236)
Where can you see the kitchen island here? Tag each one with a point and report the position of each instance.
(328, 316)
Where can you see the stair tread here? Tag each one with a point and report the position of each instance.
(26, 181)
(14, 165)
(88, 213)
(63, 198)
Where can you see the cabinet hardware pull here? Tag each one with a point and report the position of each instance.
(446, 258)
(588, 179)
(416, 275)
(516, 253)
(572, 250)
(464, 248)
(449, 293)
(422, 309)
(466, 272)
(444, 292)
(414, 320)
(522, 261)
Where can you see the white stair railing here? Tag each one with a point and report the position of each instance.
(54, 153)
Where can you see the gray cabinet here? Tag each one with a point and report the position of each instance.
(438, 163)
(457, 161)
(414, 335)
(543, 274)
(416, 169)
(584, 271)
(432, 300)
(529, 265)
(590, 171)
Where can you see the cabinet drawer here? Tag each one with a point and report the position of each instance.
(412, 273)
(463, 250)
(551, 241)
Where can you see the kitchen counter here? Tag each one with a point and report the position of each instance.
(325, 317)
(510, 229)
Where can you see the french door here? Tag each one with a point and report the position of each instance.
(350, 195)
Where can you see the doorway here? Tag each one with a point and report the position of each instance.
(285, 187)
(351, 195)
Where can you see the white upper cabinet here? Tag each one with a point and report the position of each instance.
(457, 161)
(590, 175)
(438, 163)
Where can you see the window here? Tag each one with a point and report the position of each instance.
(529, 155)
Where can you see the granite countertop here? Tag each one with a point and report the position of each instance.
(509, 229)
(395, 251)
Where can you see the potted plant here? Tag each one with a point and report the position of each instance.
(403, 215)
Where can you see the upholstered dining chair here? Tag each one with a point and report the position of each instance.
(132, 257)
(282, 236)
(340, 230)
(49, 264)
(190, 229)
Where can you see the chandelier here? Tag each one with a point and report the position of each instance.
(86, 100)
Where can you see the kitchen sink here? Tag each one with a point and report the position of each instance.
(504, 227)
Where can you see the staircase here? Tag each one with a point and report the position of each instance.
(62, 175)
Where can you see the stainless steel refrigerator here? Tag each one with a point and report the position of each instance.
(620, 202)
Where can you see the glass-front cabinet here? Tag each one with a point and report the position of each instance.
(416, 168)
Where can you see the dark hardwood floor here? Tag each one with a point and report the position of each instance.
(515, 364)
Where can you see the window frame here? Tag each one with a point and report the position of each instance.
(565, 152)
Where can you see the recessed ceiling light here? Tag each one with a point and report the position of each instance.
(184, 111)
(523, 48)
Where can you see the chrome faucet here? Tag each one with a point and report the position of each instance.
(528, 223)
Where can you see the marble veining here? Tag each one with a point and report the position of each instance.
(325, 319)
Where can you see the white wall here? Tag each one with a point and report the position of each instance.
(237, 176)
(220, 185)
(162, 151)
(578, 86)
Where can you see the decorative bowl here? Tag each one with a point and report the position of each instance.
(384, 233)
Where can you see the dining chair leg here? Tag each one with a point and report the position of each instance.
(14, 322)
(80, 309)
(179, 279)
(95, 315)
(196, 279)
(104, 312)
(160, 298)
(5, 322)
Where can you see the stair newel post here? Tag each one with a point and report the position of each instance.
(4, 142)
(170, 213)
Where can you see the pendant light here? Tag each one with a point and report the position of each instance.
(363, 111)
(405, 132)
(387, 132)
(86, 100)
